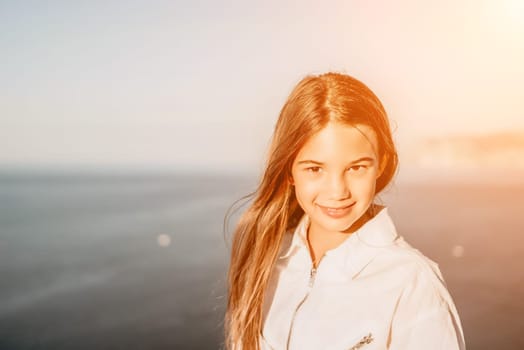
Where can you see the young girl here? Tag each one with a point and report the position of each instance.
(315, 264)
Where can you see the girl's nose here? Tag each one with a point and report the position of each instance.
(338, 188)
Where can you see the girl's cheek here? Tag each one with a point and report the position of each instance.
(362, 185)
(308, 188)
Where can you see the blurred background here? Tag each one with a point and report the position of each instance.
(128, 128)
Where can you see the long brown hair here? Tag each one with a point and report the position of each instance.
(315, 101)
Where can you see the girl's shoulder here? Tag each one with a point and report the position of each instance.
(424, 303)
(418, 273)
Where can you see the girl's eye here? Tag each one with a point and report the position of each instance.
(314, 169)
(357, 168)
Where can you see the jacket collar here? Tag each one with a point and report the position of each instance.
(358, 250)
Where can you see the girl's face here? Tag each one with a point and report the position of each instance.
(335, 174)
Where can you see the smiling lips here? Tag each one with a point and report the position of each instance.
(336, 212)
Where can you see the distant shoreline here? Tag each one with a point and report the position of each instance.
(492, 177)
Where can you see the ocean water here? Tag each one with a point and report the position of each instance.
(138, 261)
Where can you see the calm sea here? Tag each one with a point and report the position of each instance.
(138, 261)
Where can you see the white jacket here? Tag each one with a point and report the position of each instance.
(372, 292)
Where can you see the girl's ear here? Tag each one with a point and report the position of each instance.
(290, 180)
(382, 165)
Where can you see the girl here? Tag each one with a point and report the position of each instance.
(315, 264)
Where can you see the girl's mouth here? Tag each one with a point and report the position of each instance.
(336, 212)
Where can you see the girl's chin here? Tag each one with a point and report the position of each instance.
(336, 225)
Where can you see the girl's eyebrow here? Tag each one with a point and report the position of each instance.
(307, 161)
(362, 159)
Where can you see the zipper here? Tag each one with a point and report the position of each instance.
(311, 282)
(312, 275)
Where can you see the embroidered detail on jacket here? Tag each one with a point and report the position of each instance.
(365, 340)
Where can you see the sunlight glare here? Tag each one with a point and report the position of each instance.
(163, 240)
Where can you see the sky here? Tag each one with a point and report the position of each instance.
(199, 84)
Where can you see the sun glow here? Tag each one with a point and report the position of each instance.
(515, 9)
(509, 15)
